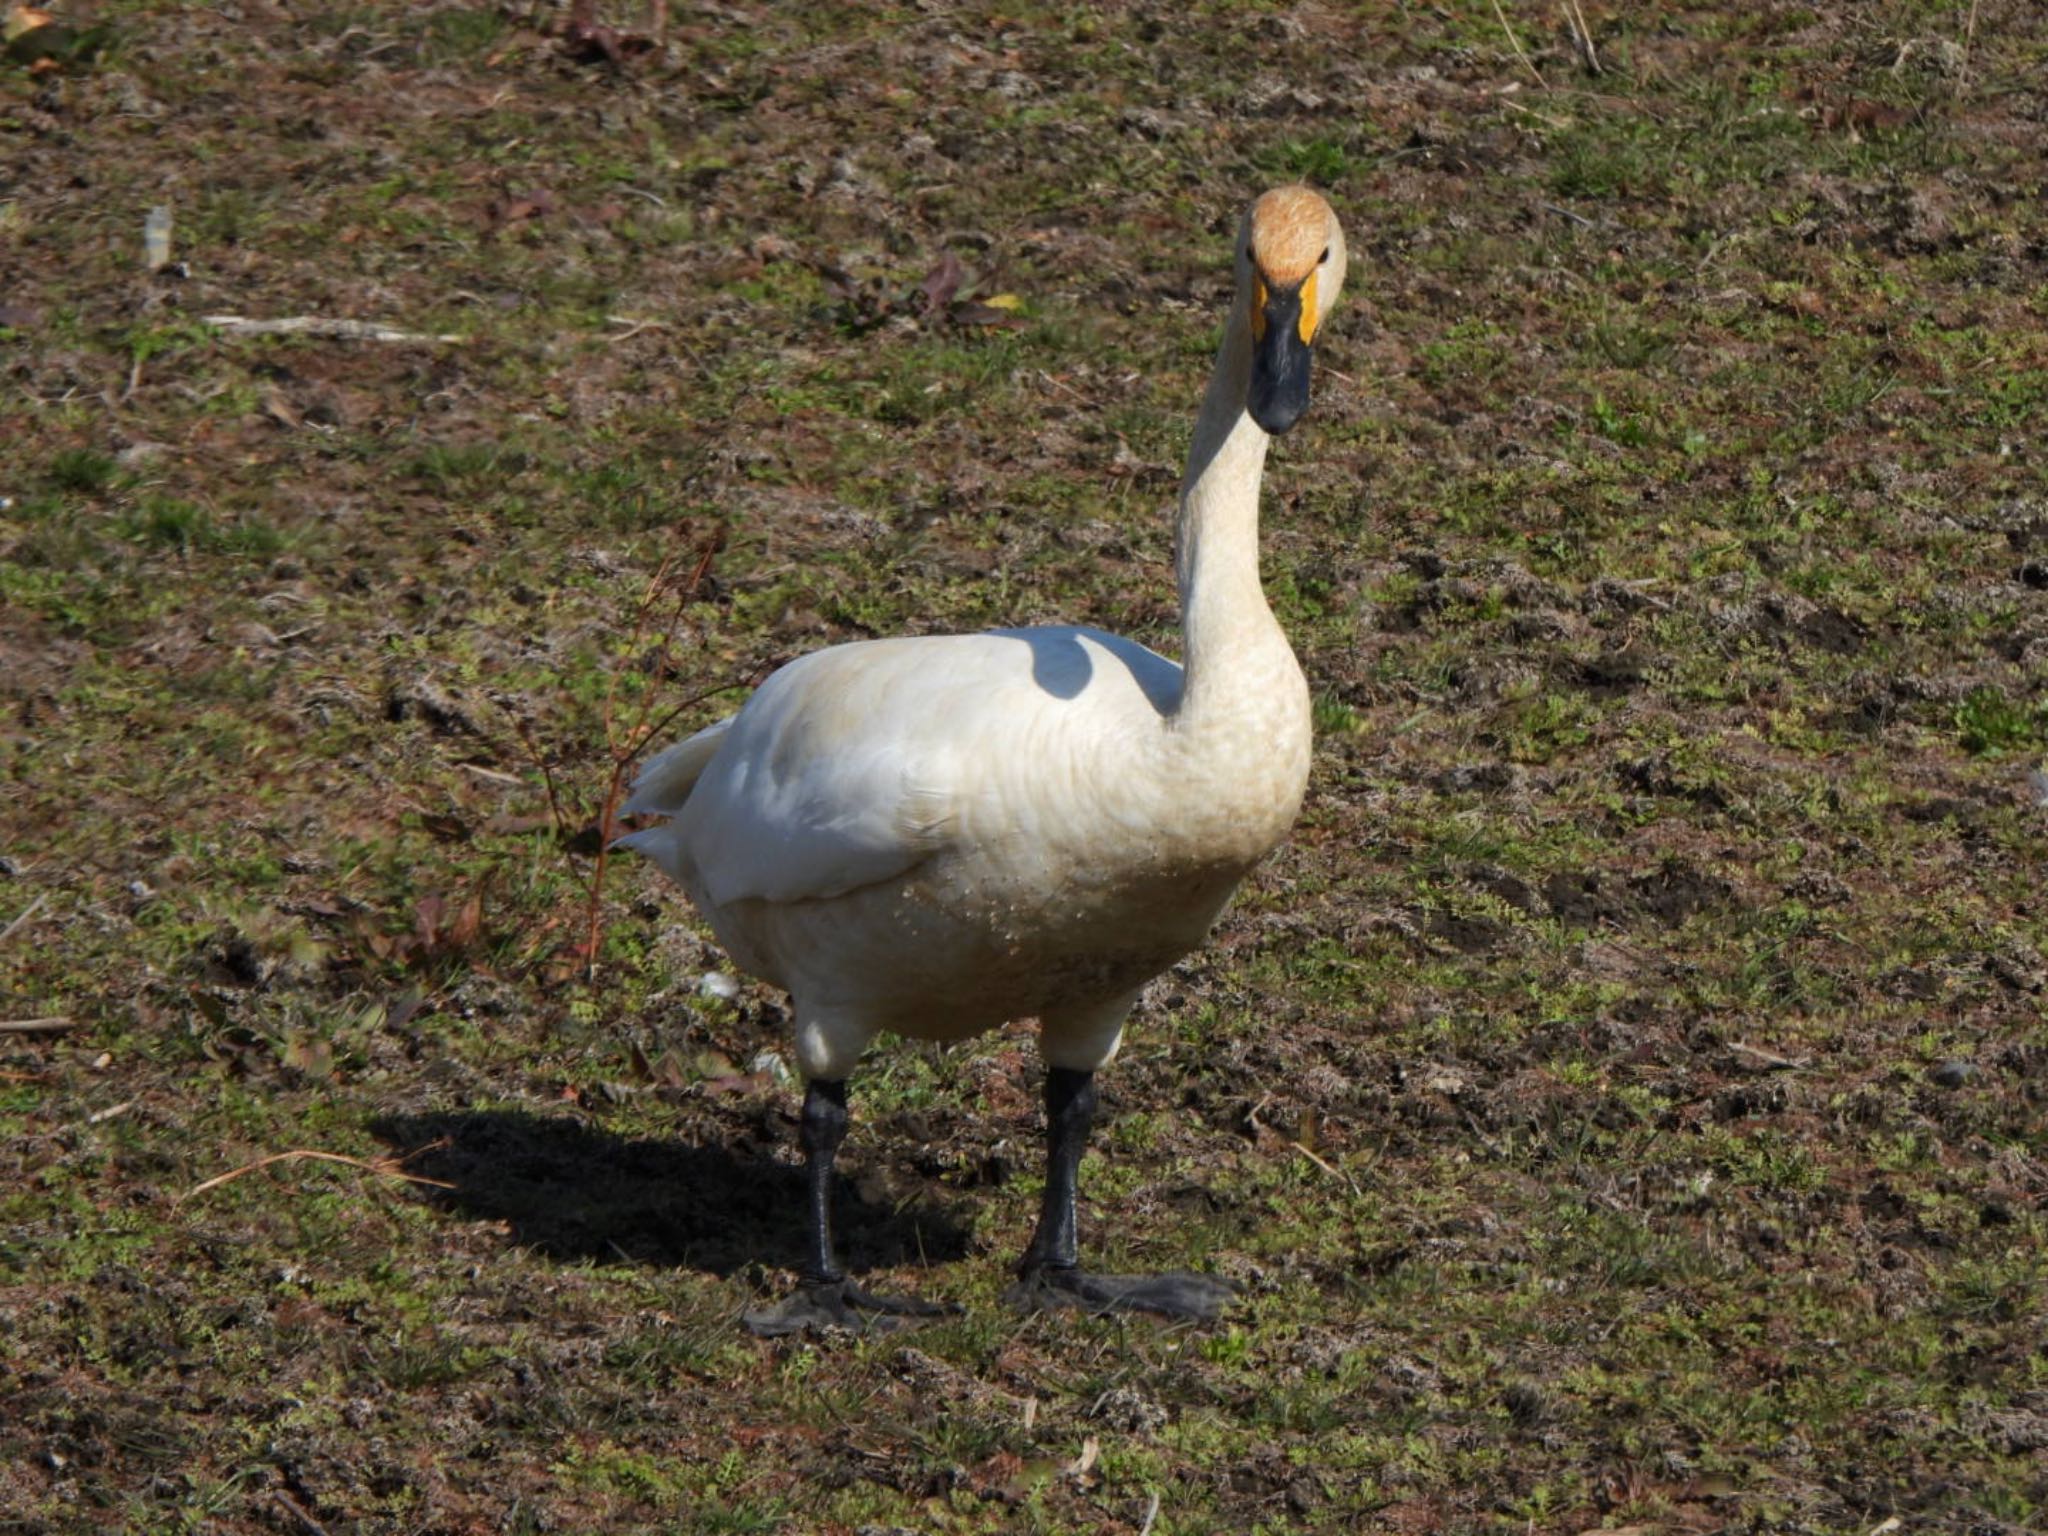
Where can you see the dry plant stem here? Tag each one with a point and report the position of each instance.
(297, 1511)
(321, 325)
(1582, 36)
(55, 1024)
(547, 779)
(384, 1167)
(624, 749)
(623, 746)
(1516, 44)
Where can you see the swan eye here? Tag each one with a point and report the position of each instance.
(1324, 259)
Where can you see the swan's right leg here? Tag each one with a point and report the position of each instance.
(825, 1297)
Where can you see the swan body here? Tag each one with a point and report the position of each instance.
(935, 836)
(932, 836)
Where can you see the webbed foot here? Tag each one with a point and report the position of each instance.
(820, 1304)
(1176, 1294)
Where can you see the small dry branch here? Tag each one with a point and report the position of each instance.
(298, 1512)
(27, 914)
(383, 1167)
(55, 1024)
(1515, 43)
(331, 328)
(663, 604)
(1582, 36)
(626, 744)
(1771, 1060)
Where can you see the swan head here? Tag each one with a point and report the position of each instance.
(1290, 265)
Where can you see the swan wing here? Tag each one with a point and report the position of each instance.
(854, 765)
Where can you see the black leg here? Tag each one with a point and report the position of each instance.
(1050, 1274)
(825, 1298)
(824, 1128)
(1070, 1101)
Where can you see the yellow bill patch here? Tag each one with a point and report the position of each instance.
(1307, 324)
(1258, 307)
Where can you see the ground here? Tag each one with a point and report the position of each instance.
(1623, 1101)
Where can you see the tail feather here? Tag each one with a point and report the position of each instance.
(666, 779)
(661, 788)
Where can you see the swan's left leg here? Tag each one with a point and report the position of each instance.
(1050, 1272)
(825, 1296)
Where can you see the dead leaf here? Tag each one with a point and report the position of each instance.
(517, 208)
(588, 41)
(400, 1010)
(38, 39)
(308, 1054)
(972, 313)
(426, 918)
(941, 285)
(281, 410)
(449, 829)
(22, 20)
(468, 924)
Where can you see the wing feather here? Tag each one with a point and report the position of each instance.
(854, 765)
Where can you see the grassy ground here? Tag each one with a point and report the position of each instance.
(1624, 1099)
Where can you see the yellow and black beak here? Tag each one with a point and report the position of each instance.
(1283, 328)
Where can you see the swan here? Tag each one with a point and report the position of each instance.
(931, 836)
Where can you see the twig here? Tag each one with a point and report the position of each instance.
(298, 1512)
(635, 327)
(625, 750)
(56, 1023)
(1556, 124)
(1333, 1172)
(1151, 1514)
(110, 1112)
(547, 779)
(1582, 36)
(384, 1167)
(1770, 1058)
(624, 743)
(1516, 44)
(27, 912)
(1969, 39)
(322, 325)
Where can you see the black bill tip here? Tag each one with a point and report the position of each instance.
(1280, 365)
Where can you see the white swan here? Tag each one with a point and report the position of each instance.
(935, 835)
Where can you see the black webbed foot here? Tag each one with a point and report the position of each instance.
(1176, 1294)
(820, 1304)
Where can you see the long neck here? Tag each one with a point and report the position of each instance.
(1225, 622)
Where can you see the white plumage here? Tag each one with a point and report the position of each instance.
(934, 835)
